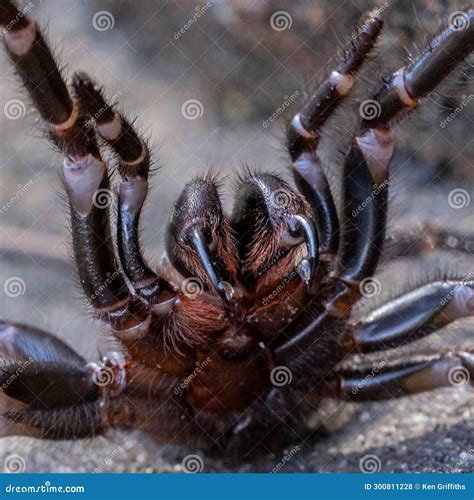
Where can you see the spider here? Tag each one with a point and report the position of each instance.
(245, 328)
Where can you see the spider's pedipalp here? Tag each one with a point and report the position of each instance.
(276, 233)
(199, 240)
(304, 133)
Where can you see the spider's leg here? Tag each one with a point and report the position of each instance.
(366, 183)
(421, 239)
(48, 391)
(413, 315)
(304, 133)
(133, 165)
(84, 174)
(45, 388)
(397, 378)
(366, 166)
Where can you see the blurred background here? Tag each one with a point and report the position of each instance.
(213, 84)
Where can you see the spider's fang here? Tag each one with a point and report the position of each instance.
(300, 225)
(200, 244)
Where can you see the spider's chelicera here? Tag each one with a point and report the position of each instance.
(243, 330)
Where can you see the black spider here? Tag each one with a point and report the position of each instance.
(250, 316)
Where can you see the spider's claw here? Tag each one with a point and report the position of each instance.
(302, 226)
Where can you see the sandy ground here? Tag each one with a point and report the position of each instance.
(430, 432)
